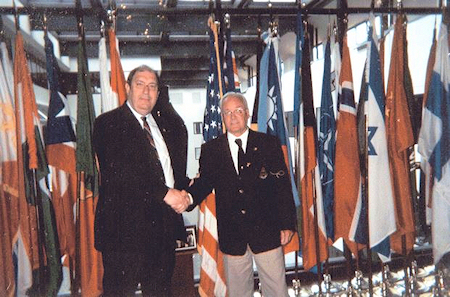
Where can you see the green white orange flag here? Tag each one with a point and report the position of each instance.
(117, 76)
(109, 100)
(31, 149)
(9, 187)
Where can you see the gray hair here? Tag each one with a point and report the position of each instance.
(238, 96)
(141, 68)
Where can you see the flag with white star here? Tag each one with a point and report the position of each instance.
(60, 151)
(212, 123)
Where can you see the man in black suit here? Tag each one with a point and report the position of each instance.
(254, 204)
(142, 151)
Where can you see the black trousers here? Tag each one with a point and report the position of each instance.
(124, 270)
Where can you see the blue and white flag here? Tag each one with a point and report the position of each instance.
(434, 145)
(327, 145)
(298, 74)
(271, 118)
(380, 198)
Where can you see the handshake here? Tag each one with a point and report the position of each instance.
(178, 200)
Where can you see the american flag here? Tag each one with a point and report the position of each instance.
(230, 74)
(212, 121)
(212, 273)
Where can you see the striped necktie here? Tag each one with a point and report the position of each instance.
(148, 132)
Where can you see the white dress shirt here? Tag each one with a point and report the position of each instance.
(234, 148)
(160, 145)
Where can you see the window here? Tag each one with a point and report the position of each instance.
(197, 153)
(198, 127)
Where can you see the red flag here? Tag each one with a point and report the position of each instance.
(347, 172)
(400, 139)
(117, 76)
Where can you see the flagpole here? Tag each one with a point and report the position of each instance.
(213, 25)
(76, 286)
(316, 238)
(365, 191)
(299, 180)
(38, 202)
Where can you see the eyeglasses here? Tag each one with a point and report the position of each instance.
(140, 86)
(237, 112)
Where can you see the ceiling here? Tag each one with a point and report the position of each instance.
(177, 31)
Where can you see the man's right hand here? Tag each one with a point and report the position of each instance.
(178, 200)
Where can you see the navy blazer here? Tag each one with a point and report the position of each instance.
(253, 207)
(131, 214)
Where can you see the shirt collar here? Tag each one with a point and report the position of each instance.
(138, 116)
(243, 137)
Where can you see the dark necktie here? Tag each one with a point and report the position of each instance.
(148, 132)
(241, 155)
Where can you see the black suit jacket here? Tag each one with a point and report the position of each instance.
(131, 214)
(253, 207)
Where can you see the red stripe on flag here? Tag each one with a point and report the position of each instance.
(209, 249)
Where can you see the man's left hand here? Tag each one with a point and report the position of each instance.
(286, 236)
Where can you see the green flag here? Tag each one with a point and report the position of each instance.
(85, 123)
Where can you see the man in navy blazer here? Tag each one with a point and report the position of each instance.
(142, 150)
(254, 204)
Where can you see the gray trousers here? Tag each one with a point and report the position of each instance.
(271, 271)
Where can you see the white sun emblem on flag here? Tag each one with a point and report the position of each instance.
(272, 108)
